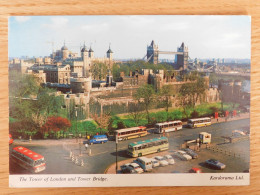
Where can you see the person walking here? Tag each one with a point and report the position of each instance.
(86, 146)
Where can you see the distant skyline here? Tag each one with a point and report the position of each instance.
(206, 36)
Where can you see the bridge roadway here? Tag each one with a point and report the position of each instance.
(103, 155)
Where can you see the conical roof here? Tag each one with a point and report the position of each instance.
(109, 50)
(90, 50)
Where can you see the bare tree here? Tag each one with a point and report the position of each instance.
(136, 113)
(102, 120)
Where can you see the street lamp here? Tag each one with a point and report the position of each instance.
(116, 153)
(76, 114)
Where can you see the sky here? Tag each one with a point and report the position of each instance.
(128, 36)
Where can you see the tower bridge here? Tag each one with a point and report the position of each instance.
(182, 53)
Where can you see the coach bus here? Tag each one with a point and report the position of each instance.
(28, 159)
(140, 148)
(199, 122)
(168, 126)
(129, 133)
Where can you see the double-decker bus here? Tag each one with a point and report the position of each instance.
(199, 122)
(28, 159)
(129, 133)
(149, 146)
(168, 126)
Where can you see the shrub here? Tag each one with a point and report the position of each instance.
(194, 114)
(121, 125)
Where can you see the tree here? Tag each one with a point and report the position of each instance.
(55, 124)
(22, 85)
(99, 70)
(145, 94)
(213, 79)
(136, 113)
(166, 93)
(191, 91)
(185, 98)
(102, 120)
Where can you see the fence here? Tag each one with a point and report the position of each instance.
(226, 152)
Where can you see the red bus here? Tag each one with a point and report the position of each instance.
(10, 139)
(129, 133)
(28, 159)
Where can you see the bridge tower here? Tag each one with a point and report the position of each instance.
(152, 53)
(182, 60)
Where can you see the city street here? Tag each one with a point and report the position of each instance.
(57, 152)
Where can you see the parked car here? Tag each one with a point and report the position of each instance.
(145, 163)
(195, 170)
(215, 164)
(136, 167)
(169, 159)
(182, 155)
(123, 167)
(161, 161)
(128, 169)
(155, 162)
(191, 152)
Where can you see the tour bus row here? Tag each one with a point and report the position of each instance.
(165, 127)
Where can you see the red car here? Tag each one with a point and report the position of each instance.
(195, 170)
(10, 139)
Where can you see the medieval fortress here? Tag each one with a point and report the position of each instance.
(71, 75)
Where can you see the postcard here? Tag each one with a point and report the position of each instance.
(133, 100)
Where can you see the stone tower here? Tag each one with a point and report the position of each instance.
(110, 57)
(182, 60)
(84, 56)
(91, 53)
(65, 52)
(152, 53)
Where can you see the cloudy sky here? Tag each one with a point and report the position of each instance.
(206, 36)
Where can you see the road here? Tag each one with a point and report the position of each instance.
(103, 155)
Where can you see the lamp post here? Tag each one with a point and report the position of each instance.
(76, 114)
(116, 154)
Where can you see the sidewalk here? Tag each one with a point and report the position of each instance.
(224, 119)
(49, 141)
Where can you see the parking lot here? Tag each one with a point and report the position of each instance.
(231, 154)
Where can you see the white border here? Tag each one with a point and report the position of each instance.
(113, 180)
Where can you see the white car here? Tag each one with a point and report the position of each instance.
(182, 155)
(136, 167)
(155, 162)
(161, 161)
(169, 159)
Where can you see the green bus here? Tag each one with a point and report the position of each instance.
(140, 148)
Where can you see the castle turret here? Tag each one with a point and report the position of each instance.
(84, 52)
(110, 57)
(65, 52)
(91, 53)
(110, 53)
